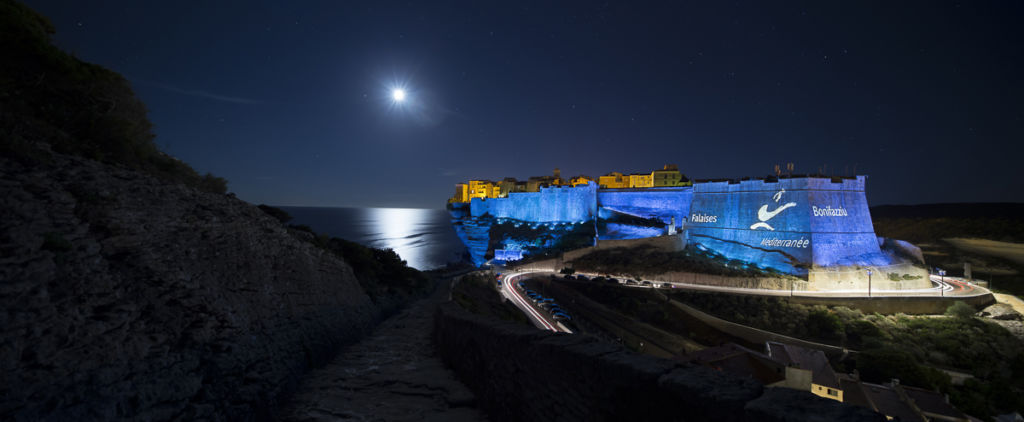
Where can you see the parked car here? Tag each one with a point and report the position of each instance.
(582, 277)
(647, 283)
(613, 280)
(631, 283)
(667, 285)
(555, 308)
(561, 316)
(599, 279)
(546, 303)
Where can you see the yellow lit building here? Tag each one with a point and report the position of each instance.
(613, 180)
(580, 180)
(483, 189)
(668, 176)
(640, 180)
(461, 193)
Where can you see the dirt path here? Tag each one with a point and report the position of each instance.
(393, 375)
(1017, 304)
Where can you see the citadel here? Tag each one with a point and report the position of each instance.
(763, 223)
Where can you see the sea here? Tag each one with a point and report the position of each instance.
(424, 238)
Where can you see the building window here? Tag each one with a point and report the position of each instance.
(832, 392)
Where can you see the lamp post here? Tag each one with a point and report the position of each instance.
(869, 283)
(942, 282)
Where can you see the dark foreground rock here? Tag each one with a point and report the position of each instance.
(124, 297)
(393, 375)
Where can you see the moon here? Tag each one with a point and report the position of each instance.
(398, 95)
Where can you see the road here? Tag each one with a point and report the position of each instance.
(941, 286)
(539, 319)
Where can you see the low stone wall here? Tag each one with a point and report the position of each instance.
(911, 305)
(742, 282)
(751, 334)
(851, 278)
(521, 373)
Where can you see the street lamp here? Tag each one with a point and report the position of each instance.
(869, 282)
(942, 283)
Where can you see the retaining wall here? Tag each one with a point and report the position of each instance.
(911, 305)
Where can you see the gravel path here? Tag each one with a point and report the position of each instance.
(392, 375)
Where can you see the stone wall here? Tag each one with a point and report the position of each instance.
(521, 373)
(665, 243)
(911, 305)
(550, 204)
(124, 297)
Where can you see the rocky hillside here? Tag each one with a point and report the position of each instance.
(126, 297)
(131, 287)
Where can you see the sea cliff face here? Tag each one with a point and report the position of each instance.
(126, 297)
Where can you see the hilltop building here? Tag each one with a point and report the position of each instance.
(486, 189)
(815, 228)
(613, 180)
(668, 176)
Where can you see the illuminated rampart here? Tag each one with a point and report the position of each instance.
(549, 205)
(789, 225)
(660, 203)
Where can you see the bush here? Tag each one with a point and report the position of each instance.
(824, 324)
(959, 309)
(279, 214)
(881, 365)
(78, 108)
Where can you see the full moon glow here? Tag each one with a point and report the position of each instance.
(398, 95)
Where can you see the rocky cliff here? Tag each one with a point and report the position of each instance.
(124, 296)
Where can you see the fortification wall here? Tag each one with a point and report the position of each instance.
(660, 203)
(553, 204)
(789, 225)
(521, 373)
(665, 243)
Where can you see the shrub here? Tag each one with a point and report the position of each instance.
(824, 324)
(275, 212)
(960, 309)
(881, 365)
(78, 108)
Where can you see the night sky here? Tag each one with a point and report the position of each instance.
(291, 102)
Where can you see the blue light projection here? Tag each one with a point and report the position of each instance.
(660, 203)
(552, 204)
(787, 225)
